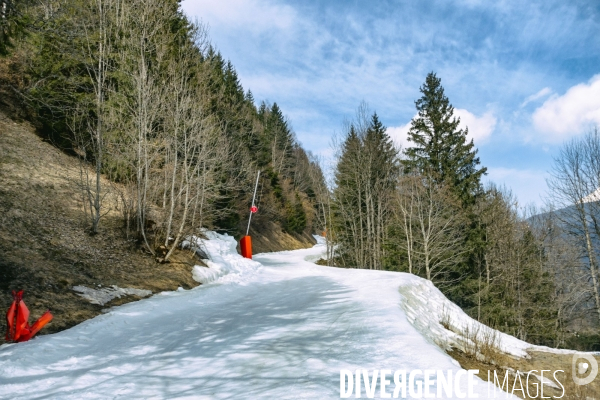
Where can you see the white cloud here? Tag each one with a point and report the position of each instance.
(563, 116)
(480, 128)
(536, 96)
(251, 15)
(399, 134)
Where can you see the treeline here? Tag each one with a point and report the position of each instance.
(136, 90)
(424, 210)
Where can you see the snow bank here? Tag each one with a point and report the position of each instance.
(221, 256)
(104, 295)
(316, 253)
(426, 307)
(320, 239)
(224, 262)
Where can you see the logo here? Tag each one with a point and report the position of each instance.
(582, 367)
(460, 384)
(416, 384)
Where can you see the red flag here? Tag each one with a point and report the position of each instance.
(17, 317)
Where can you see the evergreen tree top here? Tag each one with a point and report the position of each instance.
(250, 97)
(439, 148)
(371, 150)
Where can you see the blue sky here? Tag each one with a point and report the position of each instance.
(524, 76)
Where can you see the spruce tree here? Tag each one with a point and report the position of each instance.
(365, 178)
(439, 148)
(13, 23)
(384, 169)
(250, 98)
(441, 152)
(347, 205)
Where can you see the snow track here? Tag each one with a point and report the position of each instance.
(282, 329)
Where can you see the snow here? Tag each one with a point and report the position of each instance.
(320, 239)
(592, 197)
(426, 307)
(276, 327)
(104, 295)
(224, 263)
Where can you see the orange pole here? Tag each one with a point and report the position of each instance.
(246, 246)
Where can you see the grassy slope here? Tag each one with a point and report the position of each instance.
(44, 248)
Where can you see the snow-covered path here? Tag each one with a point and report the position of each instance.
(285, 330)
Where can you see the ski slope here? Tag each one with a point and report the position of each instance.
(276, 327)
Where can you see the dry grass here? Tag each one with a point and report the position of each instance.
(445, 320)
(323, 262)
(551, 361)
(268, 236)
(482, 351)
(483, 344)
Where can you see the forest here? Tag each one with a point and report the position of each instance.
(424, 210)
(137, 91)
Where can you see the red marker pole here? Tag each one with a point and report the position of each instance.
(246, 241)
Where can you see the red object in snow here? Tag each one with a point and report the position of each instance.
(246, 246)
(17, 317)
(253, 209)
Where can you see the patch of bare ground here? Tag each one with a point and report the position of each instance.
(268, 236)
(323, 262)
(44, 245)
(522, 376)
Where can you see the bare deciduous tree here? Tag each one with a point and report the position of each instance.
(573, 183)
(432, 227)
(90, 120)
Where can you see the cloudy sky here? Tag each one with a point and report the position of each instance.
(524, 76)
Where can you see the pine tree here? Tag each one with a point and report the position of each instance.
(250, 98)
(385, 167)
(365, 178)
(234, 92)
(13, 21)
(347, 211)
(440, 149)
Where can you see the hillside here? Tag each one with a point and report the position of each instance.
(44, 245)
